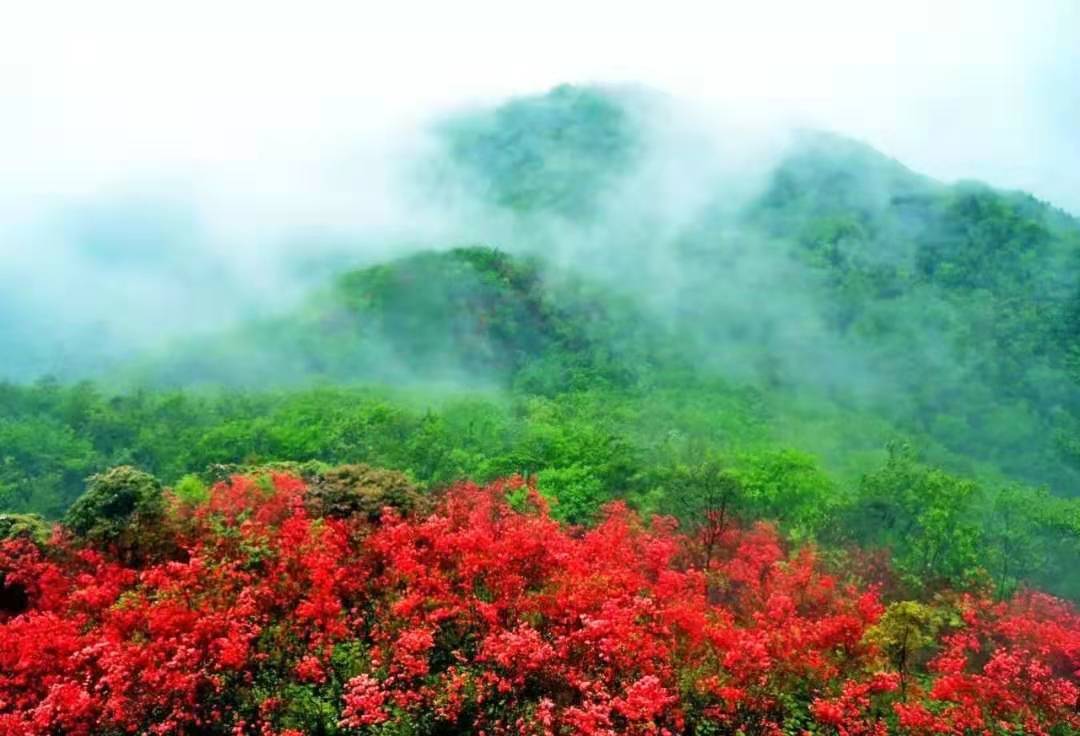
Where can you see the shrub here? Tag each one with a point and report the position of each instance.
(361, 490)
(115, 506)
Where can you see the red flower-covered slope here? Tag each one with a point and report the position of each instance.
(248, 616)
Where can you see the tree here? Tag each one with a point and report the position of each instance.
(788, 487)
(906, 633)
(117, 507)
(24, 526)
(361, 490)
(925, 516)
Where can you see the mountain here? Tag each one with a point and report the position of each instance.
(950, 311)
(826, 338)
(555, 154)
(960, 300)
(739, 438)
(471, 315)
(629, 250)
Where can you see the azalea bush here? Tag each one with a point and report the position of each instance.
(252, 610)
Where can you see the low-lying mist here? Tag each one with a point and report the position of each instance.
(93, 281)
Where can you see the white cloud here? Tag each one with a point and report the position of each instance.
(98, 94)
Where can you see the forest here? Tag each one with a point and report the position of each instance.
(801, 457)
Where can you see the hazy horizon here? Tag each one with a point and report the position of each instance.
(216, 98)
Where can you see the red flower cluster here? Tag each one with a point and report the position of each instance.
(493, 618)
(1010, 665)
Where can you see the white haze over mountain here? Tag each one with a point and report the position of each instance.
(241, 141)
(98, 94)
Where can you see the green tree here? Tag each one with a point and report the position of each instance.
(925, 516)
(361, 490)
(906, 633)
(24, 526)
(118, 506)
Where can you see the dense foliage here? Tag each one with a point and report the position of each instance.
(974, 287)
(677, 452)
(247, 613)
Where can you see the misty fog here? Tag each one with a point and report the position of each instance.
(169, 179)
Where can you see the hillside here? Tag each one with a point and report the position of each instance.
(471, 316)
(959, 300)
(846, 274)
(847, 279)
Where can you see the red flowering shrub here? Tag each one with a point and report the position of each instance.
(1010, 665)
(486, 617)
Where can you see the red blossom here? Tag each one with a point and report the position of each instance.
(483, 617)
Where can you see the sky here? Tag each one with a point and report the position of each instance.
(250, 103)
